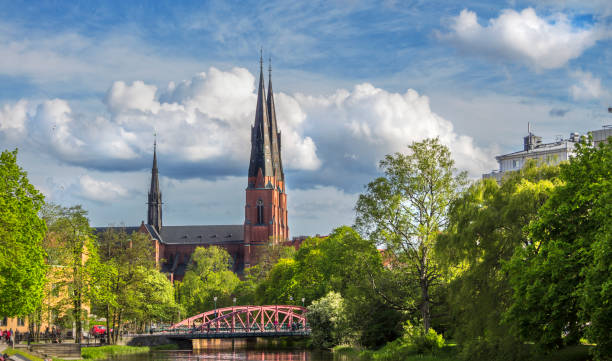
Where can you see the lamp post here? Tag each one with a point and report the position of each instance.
(215, 299)
(290, 300)
(303, 299)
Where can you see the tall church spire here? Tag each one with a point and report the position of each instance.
(274, 134)
(261, 153)
(154, 214)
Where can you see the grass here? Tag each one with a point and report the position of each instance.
(104, 352)
(11, 351)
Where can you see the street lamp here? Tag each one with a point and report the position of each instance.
(215, 298)
(234, 301)
(291, 299)
(303, 299)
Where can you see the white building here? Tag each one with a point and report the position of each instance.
(548, 153)
(533, 148)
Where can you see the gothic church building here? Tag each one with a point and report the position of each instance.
(265, 210)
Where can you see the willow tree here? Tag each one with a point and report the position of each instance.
(403, 211)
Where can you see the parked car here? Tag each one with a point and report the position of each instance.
(98, 331)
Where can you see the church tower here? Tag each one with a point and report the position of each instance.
(154, 214)
(266, 200)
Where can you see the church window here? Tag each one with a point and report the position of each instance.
(260, 216)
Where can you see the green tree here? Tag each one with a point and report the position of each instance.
(208, 275)
(327, 318)
(70, 242)
(22, 257)
(126, 263)
(403, 211)
(486, 225)
(280, 284)
(561, 279)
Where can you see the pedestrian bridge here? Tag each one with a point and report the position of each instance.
(243, 322)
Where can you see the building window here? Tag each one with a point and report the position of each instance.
(515, 163)
(260, 215)
(20, 321)
(3, 321)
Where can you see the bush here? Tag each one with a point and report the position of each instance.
(424, 342)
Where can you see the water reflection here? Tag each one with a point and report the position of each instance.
(232, 350)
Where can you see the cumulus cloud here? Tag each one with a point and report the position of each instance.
(100, 191)
(357, 128)
(539, 42)
(203, 127)
(587, 87)
(13, 118)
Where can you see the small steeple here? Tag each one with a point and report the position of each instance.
(261, 154)
(154, 214)
(274, 134)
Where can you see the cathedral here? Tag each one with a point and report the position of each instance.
(265, 209)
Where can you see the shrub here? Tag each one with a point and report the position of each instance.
(423, 342)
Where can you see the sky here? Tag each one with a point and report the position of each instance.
(84, 87)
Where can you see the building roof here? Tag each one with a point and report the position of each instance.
(201, 234)
(540, 149)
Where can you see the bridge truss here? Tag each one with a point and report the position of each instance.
(241, 319)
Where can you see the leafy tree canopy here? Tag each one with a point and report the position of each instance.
(22, 257)
(562, 280)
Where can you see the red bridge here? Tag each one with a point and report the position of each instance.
(244, 321)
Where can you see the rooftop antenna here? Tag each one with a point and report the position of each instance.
(528, 128)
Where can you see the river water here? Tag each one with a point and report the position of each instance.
(228, 351)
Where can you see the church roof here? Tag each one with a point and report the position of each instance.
(206, 235)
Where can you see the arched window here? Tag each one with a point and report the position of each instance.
(260, 214)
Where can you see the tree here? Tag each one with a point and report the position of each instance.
(562, 279)
(22, 257)
(486, 225)
(125, 267)
(70, 241)
(208, 275)
(403, 211)
(327, 318)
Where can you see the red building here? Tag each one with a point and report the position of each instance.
(265, 212)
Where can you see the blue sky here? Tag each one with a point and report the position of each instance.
(84, 86)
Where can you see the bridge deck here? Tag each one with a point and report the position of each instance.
(241, 334)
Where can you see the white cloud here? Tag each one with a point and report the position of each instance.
(205, 119)
(100, 191)
(540, 42)
(13, 118)
(203, 128)
(587, 87)
(368, 122)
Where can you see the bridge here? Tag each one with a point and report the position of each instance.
(243, 322)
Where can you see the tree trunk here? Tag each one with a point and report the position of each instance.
(107, 325)
(425, 305)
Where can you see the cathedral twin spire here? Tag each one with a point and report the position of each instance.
(265, 138)
(154, 214)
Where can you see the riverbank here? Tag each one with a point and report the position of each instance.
(393, 352)
(105, 352)
(450, 353)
